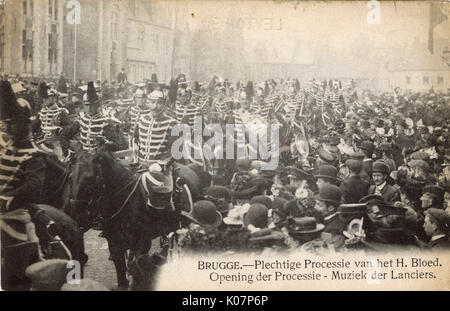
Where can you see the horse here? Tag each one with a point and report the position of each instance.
(16, 245)
(108, 196)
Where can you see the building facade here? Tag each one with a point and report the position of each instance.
(31, 37)
(150, 38)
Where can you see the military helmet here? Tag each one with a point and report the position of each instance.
(139, 93)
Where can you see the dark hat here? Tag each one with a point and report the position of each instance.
(295, 172)
(357, 156)
(327, 172)
(257, 216)
(219, 192)
(347, 212)
(353, 208)
(11, 108)
(372, 199)
(386, 147)
(366, 145)
(334, 140)
(92, 96)
(262, 199)
(249, 90)
(278, 203)
(304, 225)
(326, 156)
(204, 213)
(43, 90)
(221, 196)
(330, 193)
(380, 167)
(154, 78)
(433, 189)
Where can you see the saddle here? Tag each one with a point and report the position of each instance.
(157, 187)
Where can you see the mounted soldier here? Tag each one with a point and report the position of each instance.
(96, 129)
(135, 112)
(51, 119)
(22, 178)
(154, 142)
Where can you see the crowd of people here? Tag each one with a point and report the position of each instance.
(356, 169)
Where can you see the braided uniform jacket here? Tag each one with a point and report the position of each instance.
(51, 117)
(187, 113)
(22, 175)
(97, 129)
(153, 137)
(220, 106)
(134, 114)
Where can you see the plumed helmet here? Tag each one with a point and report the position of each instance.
(155, 95)
(43, 90)
(91, 95)
(12, 109)
(139, 93)
(249, 89)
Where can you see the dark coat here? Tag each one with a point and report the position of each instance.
(354, 188)
(441, 243)
(367, 167)
(389, 193)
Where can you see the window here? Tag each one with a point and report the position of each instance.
(31, 7)
(50, 8)
(440, 80)
(426, 80)
(24, 5)
(56, 10)
(408, 80)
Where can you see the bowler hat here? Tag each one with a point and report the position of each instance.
(366, 145)
(327, 172)
(257, 216)
(262, 199)
(204, 213)
(330, 193)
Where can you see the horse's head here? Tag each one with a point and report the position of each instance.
(86, 184)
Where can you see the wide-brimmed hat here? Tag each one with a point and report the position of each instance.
(304, 225)
(204, 213)
(296, 172)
